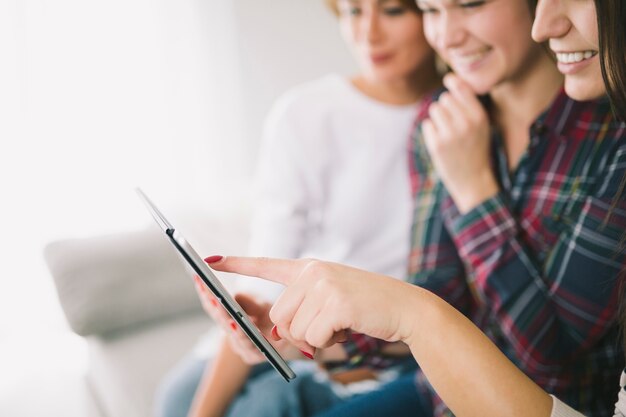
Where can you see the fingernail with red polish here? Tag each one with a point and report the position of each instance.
(275, 334)
(233, 325)
(307, 354)
(213, 259)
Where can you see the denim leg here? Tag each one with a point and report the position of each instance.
(175, 393)
(267, 394)
(397, 398)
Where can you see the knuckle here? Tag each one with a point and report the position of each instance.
(315, 268)
(295, 332)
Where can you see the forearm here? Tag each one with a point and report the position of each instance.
(220, 383)
(466, 369)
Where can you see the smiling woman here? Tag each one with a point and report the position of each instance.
(513, 199)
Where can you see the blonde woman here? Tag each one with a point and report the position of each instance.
(333, 172)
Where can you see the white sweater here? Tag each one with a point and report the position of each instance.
(333, 180)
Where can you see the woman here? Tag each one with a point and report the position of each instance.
(327, 143)
(474, 377)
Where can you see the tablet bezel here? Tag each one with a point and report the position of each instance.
(214, 285)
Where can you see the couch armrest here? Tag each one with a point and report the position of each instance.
(110, 283)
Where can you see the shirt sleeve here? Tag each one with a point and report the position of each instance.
(283, 195)
(554, 309)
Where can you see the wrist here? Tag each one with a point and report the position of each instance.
(411, 312)
(469, 196)
(423, 319)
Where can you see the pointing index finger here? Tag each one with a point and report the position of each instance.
(282, 271)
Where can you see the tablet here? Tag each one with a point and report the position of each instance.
(210, 280)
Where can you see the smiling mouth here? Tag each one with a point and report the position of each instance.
(574, 57)
(469, 59)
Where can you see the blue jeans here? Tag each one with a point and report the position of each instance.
(265, 394)
(397, 398)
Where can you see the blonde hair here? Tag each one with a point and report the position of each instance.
(333, 5)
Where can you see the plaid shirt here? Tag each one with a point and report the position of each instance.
(536, 266)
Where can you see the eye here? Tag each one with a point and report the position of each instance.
(354, 11)
(394, 11)
(472, 4)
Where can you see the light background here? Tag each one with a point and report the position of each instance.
(98, 97)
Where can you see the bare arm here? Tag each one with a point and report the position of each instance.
(466, 369)
(222, 380)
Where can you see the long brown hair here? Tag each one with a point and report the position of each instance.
(612, 35)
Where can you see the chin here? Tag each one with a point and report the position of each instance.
(480, 85)
(584, 90)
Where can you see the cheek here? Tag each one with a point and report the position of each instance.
(349, 32)
(588, 28)
(430, 33)
(417, 42)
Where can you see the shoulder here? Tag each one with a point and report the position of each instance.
(299, 119)
(311, 94)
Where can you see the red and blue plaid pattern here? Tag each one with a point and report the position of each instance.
(536, 266)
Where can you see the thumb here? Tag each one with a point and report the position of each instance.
(251, 305)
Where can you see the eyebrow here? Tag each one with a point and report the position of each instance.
(380, 2)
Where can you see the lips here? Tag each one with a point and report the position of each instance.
(380, 58)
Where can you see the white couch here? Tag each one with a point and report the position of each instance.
(133, 301)
(127, 294)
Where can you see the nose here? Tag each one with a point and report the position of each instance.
(550, 20)
(371, 26)
(449, 30)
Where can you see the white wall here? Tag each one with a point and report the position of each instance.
(97, 97)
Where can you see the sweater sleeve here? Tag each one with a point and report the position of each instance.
(283, 192)
(560, 409)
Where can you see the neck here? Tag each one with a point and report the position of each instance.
(402, 91)
(518, 103)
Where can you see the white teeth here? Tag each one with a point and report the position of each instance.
(572, 57)
(470, 58)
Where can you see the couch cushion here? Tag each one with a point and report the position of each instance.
(125, 369)
(110, 283)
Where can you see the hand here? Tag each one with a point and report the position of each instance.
(457, 137)
(322, 300)
(258, 313)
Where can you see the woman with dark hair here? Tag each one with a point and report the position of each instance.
(470, 374)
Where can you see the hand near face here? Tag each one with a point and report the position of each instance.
(457, 137)
(322, 300)
(258, 313)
